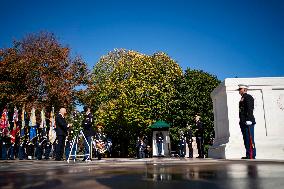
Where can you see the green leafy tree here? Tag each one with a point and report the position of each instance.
(130, 91)
(193, 97)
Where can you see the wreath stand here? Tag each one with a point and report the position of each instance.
(75, 140)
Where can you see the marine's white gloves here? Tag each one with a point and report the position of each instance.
(248, 123)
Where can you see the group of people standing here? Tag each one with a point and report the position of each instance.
(89, 136)
(187, 138)
(143, 149)
(48, 137)
(25, 138)
(246, 121)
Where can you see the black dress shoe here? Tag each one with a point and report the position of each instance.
(244, 158)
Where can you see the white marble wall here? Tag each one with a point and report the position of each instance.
(269, 113)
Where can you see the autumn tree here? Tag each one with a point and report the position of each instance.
(39, 71)
(129, 92)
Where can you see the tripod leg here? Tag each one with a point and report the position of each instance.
(73, 142)
(87, 144)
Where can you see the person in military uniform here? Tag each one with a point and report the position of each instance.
(137, 146)
(31, 148)
(23, 143)
(182, 145)
(247, 121)
(159, 141)
(141, 146)
(88, 131)
(199, 136)
(47, 145)
(100, 140)
(189, 141)
(147, 148)
(4, 132)
(39, 143)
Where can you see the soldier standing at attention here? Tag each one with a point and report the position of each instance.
(88, 132)
(141, 148)
(159, 141)
(247, 121)
(182, 145)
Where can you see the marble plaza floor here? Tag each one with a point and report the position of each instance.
(153, 173)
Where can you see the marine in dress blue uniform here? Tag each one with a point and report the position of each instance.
(247, 121)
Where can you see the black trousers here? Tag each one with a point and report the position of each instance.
(31, 150)
(99, 155)
(182, 150)
(190, 149)
(60, 147)
(200, 146)
(39, 151)
(47, 151)
(22, 153)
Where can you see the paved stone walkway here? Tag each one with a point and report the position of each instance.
(146, 173)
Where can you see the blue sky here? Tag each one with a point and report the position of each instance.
(227, 38)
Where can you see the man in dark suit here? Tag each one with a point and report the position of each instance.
(199, 136)
(189, 140)
(247, 121)
(61, 132)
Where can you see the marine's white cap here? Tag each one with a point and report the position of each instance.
(242, 86)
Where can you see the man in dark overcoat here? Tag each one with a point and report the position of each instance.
(61, 133)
